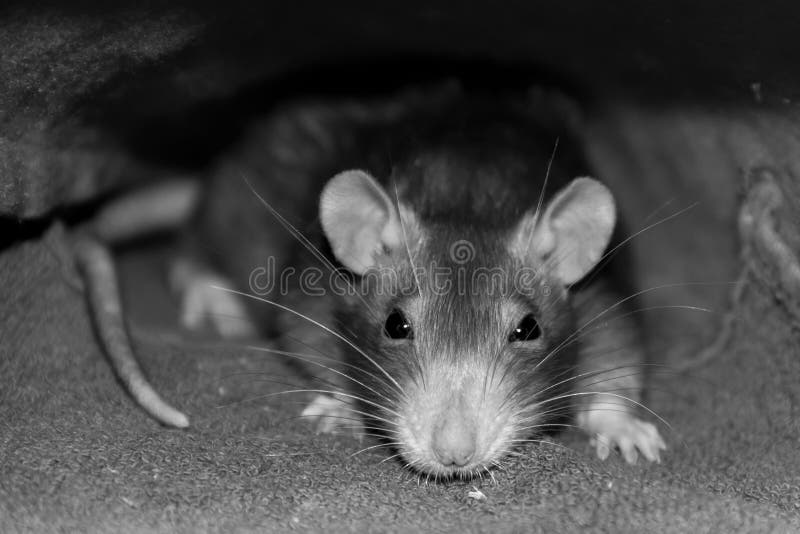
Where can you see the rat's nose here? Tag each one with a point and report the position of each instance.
(454, 442)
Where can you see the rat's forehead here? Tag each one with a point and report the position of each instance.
(467, 265)
(459, 291)
(465, 245)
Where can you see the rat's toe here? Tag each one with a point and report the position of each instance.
(602, 446)
(614, 429)
(650, 442)
(628, 449)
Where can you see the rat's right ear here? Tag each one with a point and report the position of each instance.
(359, 220)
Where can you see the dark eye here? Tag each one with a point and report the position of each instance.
(527, 330)
(397, 326)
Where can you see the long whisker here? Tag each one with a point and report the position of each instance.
(405, 238)
(609, 309)
(545, 425)
(307, 244)
(361, 413)
(588, 331)
(541, 441)
(320, 325)
(595, 374)
(380, 432)
(600, 393)
(544, 182)
(388, 458)
(333, 394)
(308, 359)
(378, 446)
(605, 258)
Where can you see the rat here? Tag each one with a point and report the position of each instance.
(465, 358)
(469, 313)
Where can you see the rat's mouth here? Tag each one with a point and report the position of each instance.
(428, 468)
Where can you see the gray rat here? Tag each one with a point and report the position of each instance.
(467, 312)
(457, 377)
(459, 335)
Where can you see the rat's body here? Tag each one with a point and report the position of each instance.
(458, 335)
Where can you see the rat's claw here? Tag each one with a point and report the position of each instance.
(628, 449)
(650, 442)
(614, 428)
(601, 447)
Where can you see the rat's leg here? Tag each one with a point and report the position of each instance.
(202, 301)
(256, 206)
(306, 339)
(609, 390)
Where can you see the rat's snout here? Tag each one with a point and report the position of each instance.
(454, 439)
(455, 426)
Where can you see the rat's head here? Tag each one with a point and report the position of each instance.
(465, 328)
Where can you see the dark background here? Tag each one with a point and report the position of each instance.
(172, 82)
(684, 103)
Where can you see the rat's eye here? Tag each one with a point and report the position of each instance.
(527, 330)
(397, 326)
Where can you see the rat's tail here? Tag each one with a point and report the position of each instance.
(160, 207)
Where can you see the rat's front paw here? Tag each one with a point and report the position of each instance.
(612, 427)
(329, 414)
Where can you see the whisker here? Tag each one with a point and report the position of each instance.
(605, 258)
(593, 373)
(307, 244)
(609, 309)
(353, 419)
(658, 209)
(585, 393)
(380, 431)
(541, 441)
(388, 458)
(378, 446)
(302, 357)
(546, 425)
(320, 325)
(331, 393)
(545, 181)
(405, 237)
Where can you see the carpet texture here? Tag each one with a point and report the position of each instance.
(77, 454)
(84, 93)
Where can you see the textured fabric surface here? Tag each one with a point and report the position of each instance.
(92, 99)
(77, 454)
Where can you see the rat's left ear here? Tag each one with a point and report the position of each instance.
(360, 220)
(573, 231)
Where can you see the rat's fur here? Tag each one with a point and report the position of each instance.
(453, 169)
(458, 396)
